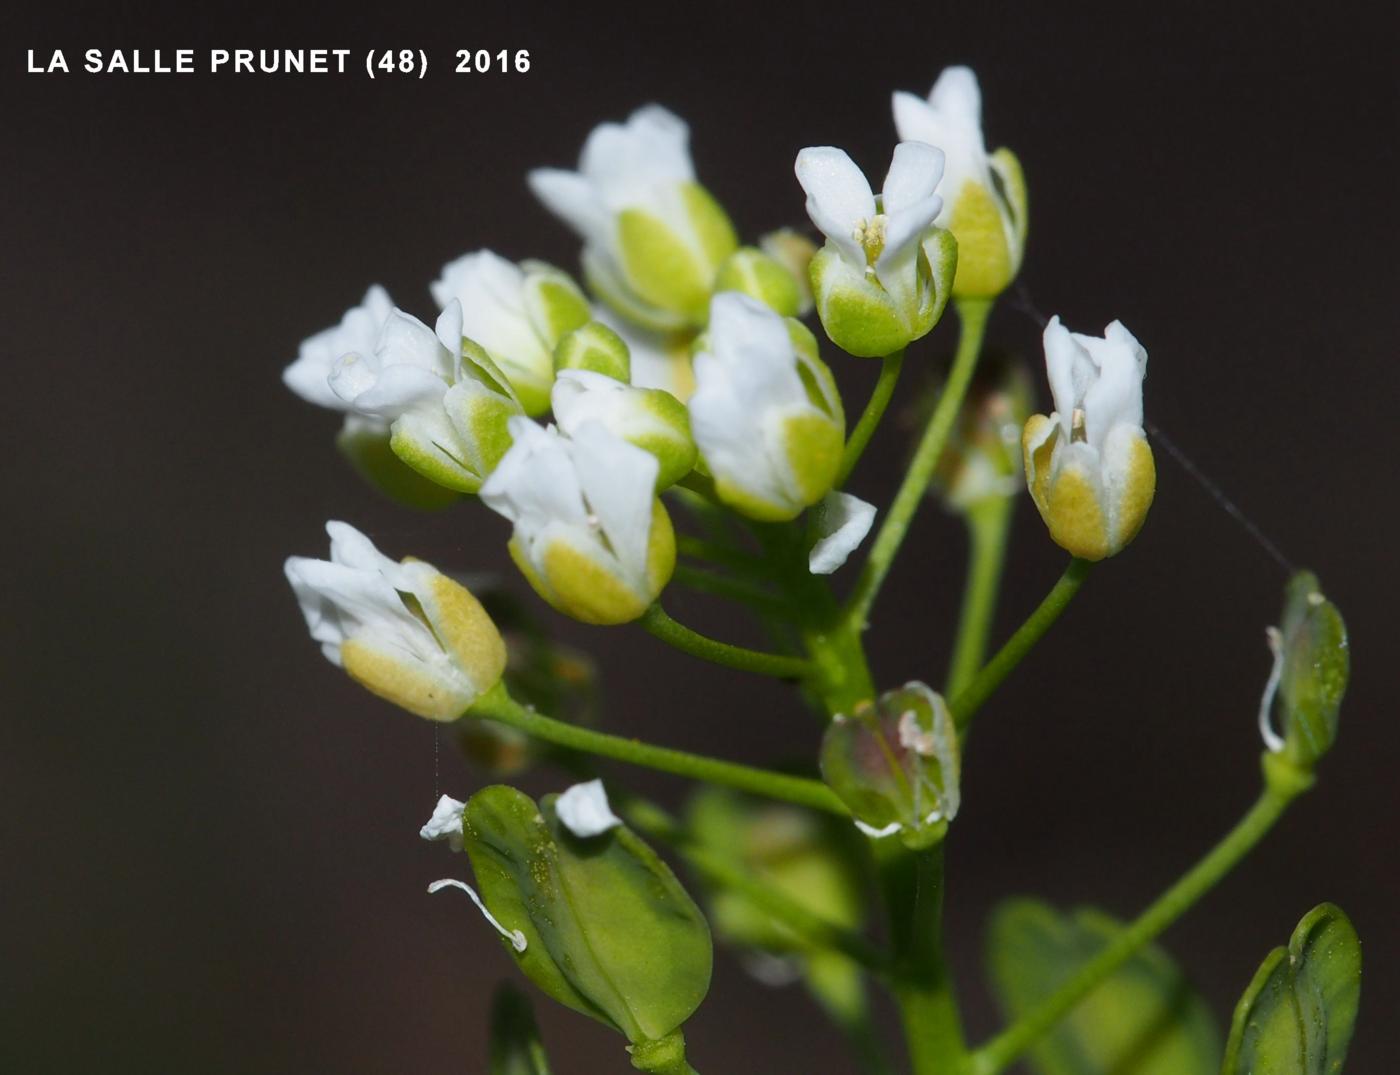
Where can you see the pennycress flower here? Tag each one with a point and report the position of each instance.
(984, 196)
(358, 330)
(653, 237)
(883, 277)
(444, 400)
(649, 418)
(590, 535)
(404, 631)
(765, 414)
(1088, 466)
(518, 313)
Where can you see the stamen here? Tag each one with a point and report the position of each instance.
(878, 834)
(1077, 432)
(1272, 740)
(515, 936)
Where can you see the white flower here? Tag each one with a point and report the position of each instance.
(358, 330)
(653, 237)
(584, 809)
(590, 535)
(446, 822)
(444, 399)
(1088, 465)
(653, 420)
(873, 290)
(771, 438)
(403, 630)
(842, 522)
(517, 313)
(985, 196)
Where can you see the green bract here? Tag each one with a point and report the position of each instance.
(895, 764)
(1143, 1020)
(1312, 664)
(609, 930)
(515, 1047)
(1297, 1015)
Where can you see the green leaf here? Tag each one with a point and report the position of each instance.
(1143, 1020)
(609, 930)
(1297, 1016)
(515, 1047)
(1316, 665)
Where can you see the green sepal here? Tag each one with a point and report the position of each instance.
(594, 346)
(609, 930)
(554, 304)
(1316, 666)
(369, 453)
(660, 267)
(1297, 1016)
(515, 1047)
(762, 277)
(1142, 1020)
(873, 766)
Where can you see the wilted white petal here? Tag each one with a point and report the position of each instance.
(584, 809)
(446, 822)
(842, 522)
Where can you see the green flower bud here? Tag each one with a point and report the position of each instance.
(760, 276)
(982, 459)
(1311, 666)
(598, 923)
(365, 444)
(895, 763)
(794, 251)
(648, 418)
(596, 348)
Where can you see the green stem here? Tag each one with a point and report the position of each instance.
(1005, 1048)
(663, 1056)
(967, 701)
(497, 705)
(869, 421)
(683, 638)
(988, 523)
(723, 871)
(922, 986)
(911, 491)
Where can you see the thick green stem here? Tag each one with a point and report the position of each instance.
(913, 885)
(1003, 1050)
(967, 701)
(870, 417)
(664, 1056)
(911, 491)
(988, 523)
(683, 638)
(497, 705)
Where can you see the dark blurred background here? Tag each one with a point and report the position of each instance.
(210, 850)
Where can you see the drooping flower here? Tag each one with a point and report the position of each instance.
(1088, 466)
(766, 413)
(883, 277)
(984, 196)
(445, 401)
(518, 313)
(405, 631)
(649, 418)
(653, 237)
(590, 535)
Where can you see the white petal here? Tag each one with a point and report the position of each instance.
(838, 196)
(394, 392)
(957, 95)
(448, 328)
(880, 833)
(358, 331)
(535, 482)
(915, 170)
(1070, 370)
(842, 521)
(584, 809)
(574, 200)
(618, 482)
(446, 822)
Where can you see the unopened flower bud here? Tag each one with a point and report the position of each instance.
(1088, 465)
(590, 535)
(653, 237)
(648, 418)
(794, 251)
(984, 197)
(405, 631)
(765, 413)
(895, 763)
(982, 459)
(596, 348)
(885, 273)
(754, 273)
(517, 313)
